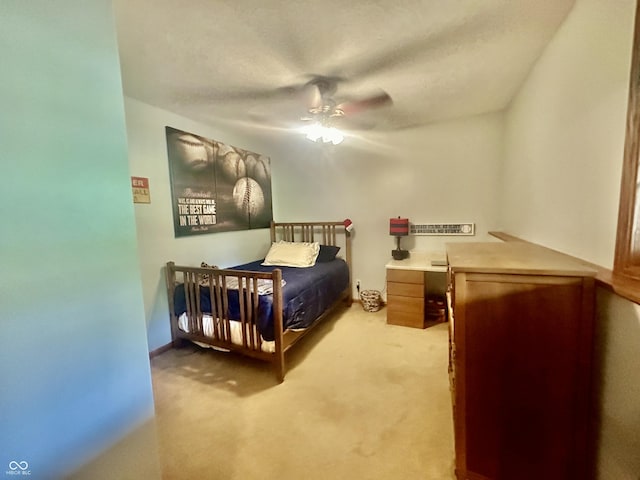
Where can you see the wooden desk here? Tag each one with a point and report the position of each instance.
(407, 288)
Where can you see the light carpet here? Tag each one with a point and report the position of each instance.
(361, 400)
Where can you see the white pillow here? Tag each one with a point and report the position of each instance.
(292, 254)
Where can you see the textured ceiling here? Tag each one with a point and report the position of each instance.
(233, 61)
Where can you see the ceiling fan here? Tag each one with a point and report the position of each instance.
(319, 106)
(319, 93)
(324, 113)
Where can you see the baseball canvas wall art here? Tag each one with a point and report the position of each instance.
(216, 187)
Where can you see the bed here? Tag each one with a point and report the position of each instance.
(260, 310)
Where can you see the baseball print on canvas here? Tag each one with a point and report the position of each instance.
(216, 187)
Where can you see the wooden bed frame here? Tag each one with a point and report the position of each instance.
(325, 233)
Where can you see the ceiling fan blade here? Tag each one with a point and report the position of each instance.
(320, 89)
(206, 94)
(356, 124)
(379, 100)
(311, 96)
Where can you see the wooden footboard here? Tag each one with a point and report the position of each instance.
(217, 329)
(242, 335)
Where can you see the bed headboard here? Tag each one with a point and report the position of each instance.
(325, 233)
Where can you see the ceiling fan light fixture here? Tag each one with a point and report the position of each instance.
(332, 135)
(313, 131)
(317, 131)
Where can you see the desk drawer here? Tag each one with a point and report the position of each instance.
(405, 289)
(405, 319)
(413, 305)
(405, 276)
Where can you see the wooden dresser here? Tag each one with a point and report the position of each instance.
(521, 328)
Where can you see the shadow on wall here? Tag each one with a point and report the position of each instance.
(158, 328)
(617, 387)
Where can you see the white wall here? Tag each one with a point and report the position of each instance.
(445, 172)
(74, 367)
(564, 144)
(565, 135)
(156, 241)
(618, 387)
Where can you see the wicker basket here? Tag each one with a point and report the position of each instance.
(371, 300)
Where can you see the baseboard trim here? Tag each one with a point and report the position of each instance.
(158, 351)
(359, 302)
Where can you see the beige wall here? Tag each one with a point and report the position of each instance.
(618, 388)
(156, 241)
(565, 135)
(73, 364)
(564, 142)
(444, 172)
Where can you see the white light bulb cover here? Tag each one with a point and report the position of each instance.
(316, 131)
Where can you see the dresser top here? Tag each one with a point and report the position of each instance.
(513, 257)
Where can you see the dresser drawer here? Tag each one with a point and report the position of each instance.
(405, 289)
(405, 276)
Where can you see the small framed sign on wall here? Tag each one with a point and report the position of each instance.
(442, 229)
(216, 187)
(140, 188)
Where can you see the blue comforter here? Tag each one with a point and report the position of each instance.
(307, 294)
